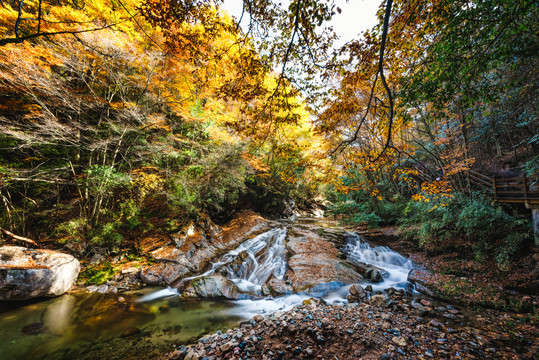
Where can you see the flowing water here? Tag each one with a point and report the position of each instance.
(397, 266)
(123, 326)
(251, 264)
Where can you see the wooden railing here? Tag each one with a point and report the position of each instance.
(515, 190)
(480, 180)
(511, 190)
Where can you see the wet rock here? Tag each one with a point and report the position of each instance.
(210, 287)
(368, 271)
(276, 287)
(315, 261)
(28, 273)
(34, 329)
(163, 273)
(357, 291)
(420, 278)
(378, 300)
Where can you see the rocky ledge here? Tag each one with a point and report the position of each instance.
(29, 273)
(388, 325)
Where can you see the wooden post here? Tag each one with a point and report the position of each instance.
(525, 188)
(494, 187)
(535, 223)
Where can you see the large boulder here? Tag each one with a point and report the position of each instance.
(29, 273)
(315, 261)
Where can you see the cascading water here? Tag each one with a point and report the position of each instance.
(265, 255)
(251, 264)
(248, 266)
(397, 266)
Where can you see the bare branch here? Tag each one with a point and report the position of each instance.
(19, 238)
(18, 40)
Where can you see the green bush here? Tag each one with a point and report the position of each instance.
(463, 223)
(360, 206)
(107, 236)
(213, 181)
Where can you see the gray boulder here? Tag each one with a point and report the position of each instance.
(29, 273)
(276, 287)
(210, 287)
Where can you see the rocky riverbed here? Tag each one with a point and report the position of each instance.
(379, 325)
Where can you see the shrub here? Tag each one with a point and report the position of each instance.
(460, 222)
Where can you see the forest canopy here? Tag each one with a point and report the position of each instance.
(112, 111)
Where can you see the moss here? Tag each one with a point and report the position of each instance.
(96, 275)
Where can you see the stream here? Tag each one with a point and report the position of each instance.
(150, 321)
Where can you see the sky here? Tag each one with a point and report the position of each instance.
(356, 16)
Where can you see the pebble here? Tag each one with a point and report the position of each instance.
(399, 340)
(319, 328)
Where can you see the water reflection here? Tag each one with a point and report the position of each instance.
(98, 326)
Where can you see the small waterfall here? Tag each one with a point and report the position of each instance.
(358, 250)
(252, 263)
(248, 266)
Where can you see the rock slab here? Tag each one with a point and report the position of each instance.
(29, 273)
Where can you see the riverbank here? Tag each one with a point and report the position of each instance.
(393, 324)
(388, 325)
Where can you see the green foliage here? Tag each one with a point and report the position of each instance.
(107, 236)
(97, 275)
(214, 180)
(358, 205)
(129, 213)
(102, 180)
(72, 230)
(462, 223)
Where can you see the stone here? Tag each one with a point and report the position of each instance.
(376, 276)
(378, 300)
(227, 346)
(29, 273)
(399, 340)
(210, 287)
(276, 287)
(315, 263)
(191, 355)
(162, 273)
(357, 291)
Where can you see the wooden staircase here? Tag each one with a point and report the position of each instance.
(509, 190)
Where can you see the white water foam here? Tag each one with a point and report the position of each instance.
(263, 256)
(358, 250)
(159, 294)
(251, 264)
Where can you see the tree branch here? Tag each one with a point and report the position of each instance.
(18, 40)
(18, 238)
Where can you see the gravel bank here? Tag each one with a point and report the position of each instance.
(388, 325)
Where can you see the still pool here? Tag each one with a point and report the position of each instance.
(107, 326)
